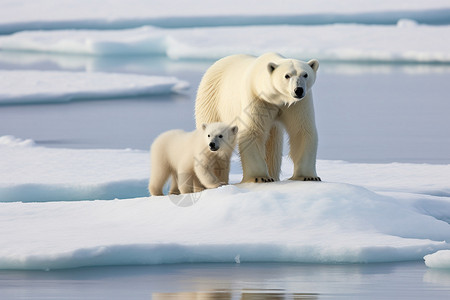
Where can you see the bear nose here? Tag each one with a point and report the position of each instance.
(212, 145)
(299, 92)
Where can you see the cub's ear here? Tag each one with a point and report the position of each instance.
(204, 126)
(234, 129)
(314, 64)
(271, 67)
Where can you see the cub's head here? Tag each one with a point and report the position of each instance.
(292, 78)
(220, 136)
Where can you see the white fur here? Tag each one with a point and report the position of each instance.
(254, 93)
(187, 157)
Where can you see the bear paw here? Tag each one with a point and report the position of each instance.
(263, 179)
(303, 178)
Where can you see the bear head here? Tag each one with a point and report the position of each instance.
(219, 136)
(292, 79)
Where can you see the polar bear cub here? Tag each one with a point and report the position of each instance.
(195, 160)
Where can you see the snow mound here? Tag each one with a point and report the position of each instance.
(438, 260)
(279, 222)
(330, 42)
(113, 14)
(18, 87)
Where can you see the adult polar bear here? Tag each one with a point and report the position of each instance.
(261, 95)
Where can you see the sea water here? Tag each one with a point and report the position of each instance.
(408, 280)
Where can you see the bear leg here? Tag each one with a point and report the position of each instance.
(206, 175)
(252, 152)
(185, 182)
(299, 122)
(174, 185)
(303, 153)
(274, 151)
(158, 178)
(198, 186)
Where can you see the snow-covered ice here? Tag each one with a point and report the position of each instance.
(56, 86)
(406, 41)
(18, 15)
(30, 173)
(360, 213)
(438, 260)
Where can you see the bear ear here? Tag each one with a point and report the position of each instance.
(314, 64)
(203, 126)
(271, 67)
(234, 129)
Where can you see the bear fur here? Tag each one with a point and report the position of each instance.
(264, 95)
(195, 160)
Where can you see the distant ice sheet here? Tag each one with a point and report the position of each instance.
(406, 41)
(113, 14)
(395, 213)
(52, 86)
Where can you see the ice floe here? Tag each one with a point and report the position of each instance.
(18, 87)
(360, 213)
(405, 42)
(438, 260)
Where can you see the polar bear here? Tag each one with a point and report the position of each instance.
(195, 160)
(263, 95)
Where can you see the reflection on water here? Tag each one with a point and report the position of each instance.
(411, 280)
(229, 294)
(437, 276)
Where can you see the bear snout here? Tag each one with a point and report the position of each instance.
(299, 92)
(213, 147)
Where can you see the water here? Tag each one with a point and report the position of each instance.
(364, 112)
(409, 280)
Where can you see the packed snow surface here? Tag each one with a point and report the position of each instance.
(56, 86)
(18, 15)
(359, 213)
(406, 41)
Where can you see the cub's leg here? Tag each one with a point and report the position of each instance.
(174, 184)
(186, 182)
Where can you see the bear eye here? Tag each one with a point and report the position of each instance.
(305, 76)
(287, 76)
(220, 136)
(209, 135)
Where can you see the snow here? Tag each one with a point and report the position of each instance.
(46, 174)
(57, 86)
(438, 260)
(19, 15)
(407, 41)
(361, 213)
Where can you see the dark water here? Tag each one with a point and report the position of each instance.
(410, 280)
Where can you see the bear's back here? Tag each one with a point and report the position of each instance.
(175, 145)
